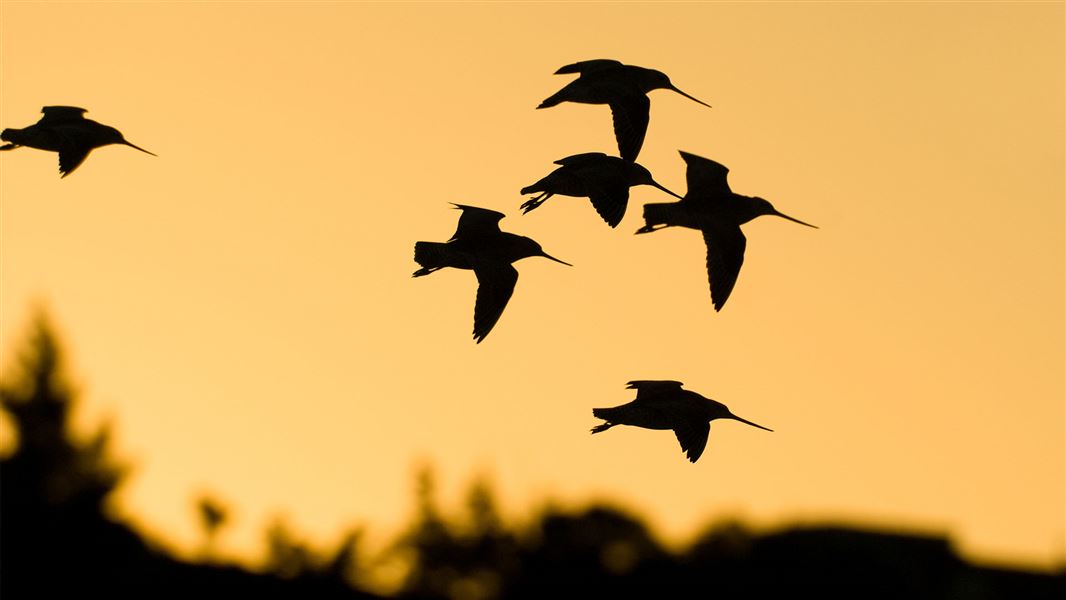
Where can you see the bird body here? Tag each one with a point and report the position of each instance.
(601, 81)
(663, 404)
(714, 209)
(468, 252)
(732, 209)
(65, 130)
(624, 88)
(604, 180)
(479, 245)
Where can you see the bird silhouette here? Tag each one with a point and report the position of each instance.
(479, 245)
(65, 130)
(624, 88)
(664, 405)
(710, 206)
(605, 180)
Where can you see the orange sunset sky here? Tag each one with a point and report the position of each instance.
(242, 306)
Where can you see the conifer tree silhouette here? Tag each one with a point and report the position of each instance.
(55, 485)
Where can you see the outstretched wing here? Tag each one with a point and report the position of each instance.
(581, 159)
(586, 66)
(693, 438)
(725, 255)
(609, 197)
(631, 114)
(61, 114)
(70, 157)
(705, 177)
(496, 281)
(649, 389)
(73, 140)
(476, 221)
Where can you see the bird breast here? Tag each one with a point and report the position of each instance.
(658, 414)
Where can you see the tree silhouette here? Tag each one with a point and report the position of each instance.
(213, 516)
(290, 558)
(58, 539)
(605, 552)
(54, 486)
(469, 557)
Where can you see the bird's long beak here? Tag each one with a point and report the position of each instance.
(139, 148)
(784, 216)
(549, 256)
(656, 185)
(750, 423)
(690, 97)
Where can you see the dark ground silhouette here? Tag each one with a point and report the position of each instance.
(57, 540)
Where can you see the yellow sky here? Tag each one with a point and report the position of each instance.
(242, 306)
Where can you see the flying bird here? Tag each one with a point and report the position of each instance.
(624, 88)
(479, 245)
(710, 206)
(65, 130)
(605, 180)
(664, 405)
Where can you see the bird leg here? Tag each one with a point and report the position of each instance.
(425, 271)
(602, 427)
(534, 202)
(9, 146)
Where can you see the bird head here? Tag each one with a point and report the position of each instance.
(650, 79)
(638, 175)
(110, 135)
(757, 207)
(526, 247)
(717, 410)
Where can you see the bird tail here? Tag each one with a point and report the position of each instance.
(552, 100)
(430, 256)
(606, 414)
(658, 215)
(531, 189)
(11, 135)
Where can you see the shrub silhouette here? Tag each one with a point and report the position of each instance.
(55, 487)
(56, 534)
(58, 539)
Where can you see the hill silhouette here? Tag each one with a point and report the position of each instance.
(57, 538)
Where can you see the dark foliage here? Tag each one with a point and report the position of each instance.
(57, 539)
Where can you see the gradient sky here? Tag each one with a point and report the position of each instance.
(242, 306)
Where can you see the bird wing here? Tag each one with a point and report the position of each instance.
(693, 438)
(631, 113)
(61, 114)
(725, 255)
(586, 66)
(610, 197)
(496, 281)
(74, 140)
(652, 388)
(581, 159)
(705, 177)
(70, 156)
(476, 221)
